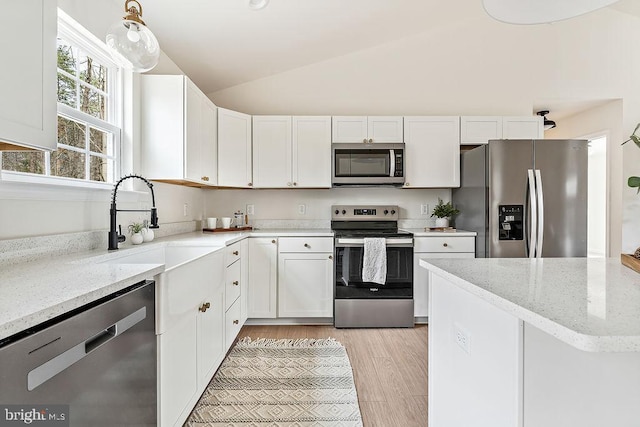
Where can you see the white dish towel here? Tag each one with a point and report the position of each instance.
(374, 265)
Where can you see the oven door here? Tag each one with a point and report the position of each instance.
(348, 270)
(355, 164)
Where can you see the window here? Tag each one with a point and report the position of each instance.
(89, 113)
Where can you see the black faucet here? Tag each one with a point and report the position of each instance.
(116, 237)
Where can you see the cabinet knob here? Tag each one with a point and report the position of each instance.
(235, 322)
(205, 178)
(235, 283)
(236, 252)
(445, 245)
(251, 184)
(306, 245)
(406, 184)
(273, 241)
(295, 183)
(330, 256)
(370, 141)
(204, 307)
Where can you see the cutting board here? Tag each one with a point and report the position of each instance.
(631, 262)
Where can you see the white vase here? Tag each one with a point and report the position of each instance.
(148, 235)
(136, 238)
(442, 222)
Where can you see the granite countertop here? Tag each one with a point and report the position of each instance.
(592, 304)
(421, 232)
(36, 291)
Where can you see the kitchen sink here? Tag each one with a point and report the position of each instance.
(170, 256)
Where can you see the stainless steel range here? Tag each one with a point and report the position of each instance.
(363, 304)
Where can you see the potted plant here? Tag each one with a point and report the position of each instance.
(443, 212)
(135, 229)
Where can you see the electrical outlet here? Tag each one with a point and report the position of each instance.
(462, 337)
(250, 210)
(302, 209)
(185, 209)
(424, 209)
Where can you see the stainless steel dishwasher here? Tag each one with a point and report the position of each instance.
(100, 360)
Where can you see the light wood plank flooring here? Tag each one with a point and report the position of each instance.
(389, 368)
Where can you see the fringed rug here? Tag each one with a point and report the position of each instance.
(281, 383)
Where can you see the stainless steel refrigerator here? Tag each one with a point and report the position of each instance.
(525, 198)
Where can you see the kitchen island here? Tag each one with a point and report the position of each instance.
(546, 342)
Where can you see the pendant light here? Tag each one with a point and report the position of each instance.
(132, 40)
(258, 4)
(540, 11)
(547, 124)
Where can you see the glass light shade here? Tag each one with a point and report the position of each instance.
(540, 11)
(136, 43)
(258, 4)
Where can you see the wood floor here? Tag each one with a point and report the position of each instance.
(389, 368)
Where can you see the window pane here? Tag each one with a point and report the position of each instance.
(91, 102)
(67, 57)
(101, 169)
(92, 72)
(23, 161)
(100, 142)
(67, 163)
(71, 132)
(67, 91)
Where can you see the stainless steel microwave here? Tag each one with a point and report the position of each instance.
(367, 164)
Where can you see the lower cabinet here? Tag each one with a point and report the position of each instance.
(437, 246)
(263, 277)
(233, 294)
(304, 284)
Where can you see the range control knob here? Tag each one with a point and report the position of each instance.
(393, 212)
(344, 212)
(337, 212)
(386, 212)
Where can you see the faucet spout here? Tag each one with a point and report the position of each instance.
(116, 237)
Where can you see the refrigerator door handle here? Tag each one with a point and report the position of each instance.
(533, 231)
(540, 196)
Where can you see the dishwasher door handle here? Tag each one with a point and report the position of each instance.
(64, 360)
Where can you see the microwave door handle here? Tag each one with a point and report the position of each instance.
(392, 163)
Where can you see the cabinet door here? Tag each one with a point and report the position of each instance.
(28, 76)
(349, 129)
(234, 149)
(272, 152)
(209, 143)
(193, 133)
(263, 264)
(211, 341)
(385, 129)
(432, 152)
(312, 152)
(480, 129)
(421, 280)
(305, 285)
(527, 127)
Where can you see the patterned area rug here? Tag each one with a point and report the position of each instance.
(281, 383)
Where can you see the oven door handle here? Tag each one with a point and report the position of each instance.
(344, 242)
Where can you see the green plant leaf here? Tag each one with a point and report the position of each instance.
(634, 182)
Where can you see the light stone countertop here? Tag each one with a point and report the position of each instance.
(36, 291)
(421, 232)
(592, 304)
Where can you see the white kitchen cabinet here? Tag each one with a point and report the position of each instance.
(28, 111)
(437, 246)
(234, 256)
(292, 152)
(305, 277)
(263, 277)
(191, 338)
(372, 129)
(525, 127)
(432, 151)
(178, 131)
(480, 129)
(234, 149)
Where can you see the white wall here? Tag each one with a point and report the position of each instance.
(479, 67)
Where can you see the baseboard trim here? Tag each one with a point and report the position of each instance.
(291, 321)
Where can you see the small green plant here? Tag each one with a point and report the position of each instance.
(634, 181)
(444, 210)
(135, 227)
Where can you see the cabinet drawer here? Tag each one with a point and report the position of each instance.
(232, 284)
(233, 323)
(445, 244)
(305, 244)
(232, 253)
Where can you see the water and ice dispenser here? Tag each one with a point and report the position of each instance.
(511, 222)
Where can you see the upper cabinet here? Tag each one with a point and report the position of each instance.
(432, 151)
(373, 129)
(481, 129)
(178, 131)
(526, 127)
(28, 111)
(234, 149)
(292, 152)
